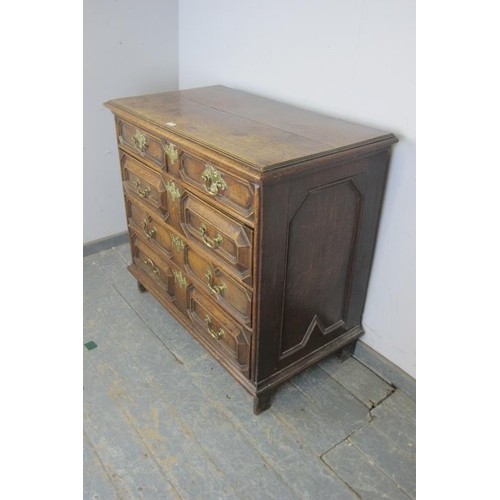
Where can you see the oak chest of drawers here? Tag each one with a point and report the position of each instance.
(253, 223)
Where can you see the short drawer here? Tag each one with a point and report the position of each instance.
(229, 338)
(139, 142)
(208, 177)
(229, 294)
(144, 183)
(218, 234)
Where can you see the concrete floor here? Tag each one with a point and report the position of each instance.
(163, 420)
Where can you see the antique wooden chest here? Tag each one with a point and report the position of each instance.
(253, 223)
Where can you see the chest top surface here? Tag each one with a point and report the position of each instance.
(260, 132)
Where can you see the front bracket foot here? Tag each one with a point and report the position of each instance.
(262, 402)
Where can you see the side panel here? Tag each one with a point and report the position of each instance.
(315, 259)
(323, 234)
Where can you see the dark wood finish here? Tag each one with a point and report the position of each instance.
(346, 352)
(258, 229)
(262, 401)
(313, 283)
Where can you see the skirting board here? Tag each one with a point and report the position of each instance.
(104, 243)
(386, 369)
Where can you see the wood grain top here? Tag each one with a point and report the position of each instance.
(260, 132)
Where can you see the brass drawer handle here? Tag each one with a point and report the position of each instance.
(173, 191)
(152, 232)
(181, 280)
(215, 243)
(140, 140)
(218, 289)
(177, 242)
(155, 270)
(171, 152)
(213, 180)
(216, 335)
(144, 193)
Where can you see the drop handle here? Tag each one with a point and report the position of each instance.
(140, 140)
(143, 193)
(171, 152)
(212, 180)
(215, 243)
(151, 233)
(217, 335)
(149, 262)
(217, 289)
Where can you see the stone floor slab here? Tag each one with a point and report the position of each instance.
(364, 477)
(387, 456)
(359, 380)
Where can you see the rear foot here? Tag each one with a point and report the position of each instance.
(346, 352)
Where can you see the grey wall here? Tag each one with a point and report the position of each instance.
(129, 48)
(354, 60)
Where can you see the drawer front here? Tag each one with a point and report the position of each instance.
(219, 235)
(149, 262)
(144, 183)
(147, 223)
(229, 294)
(136, 140)
(231, 339)
(208, 177)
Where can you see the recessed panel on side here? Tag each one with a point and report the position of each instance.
(322, 236)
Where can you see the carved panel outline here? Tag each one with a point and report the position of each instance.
(315, 321)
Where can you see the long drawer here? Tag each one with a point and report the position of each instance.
(215, 326)
(229, 294)
(210, 178)
(218, 234)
